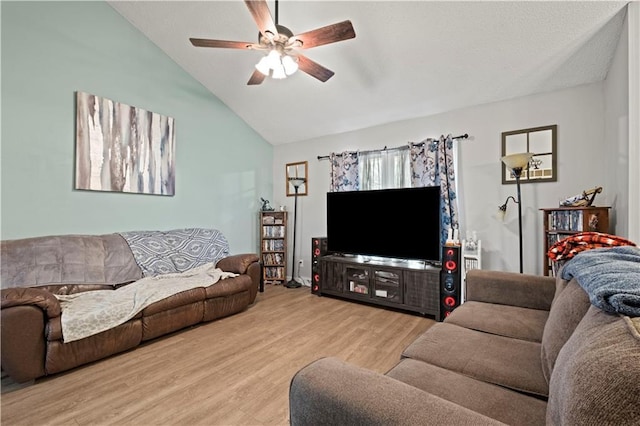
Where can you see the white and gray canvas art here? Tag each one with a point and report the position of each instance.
(123, 148)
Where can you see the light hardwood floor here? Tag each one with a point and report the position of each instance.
(234, 371)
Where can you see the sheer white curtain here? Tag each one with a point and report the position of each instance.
(385, 169)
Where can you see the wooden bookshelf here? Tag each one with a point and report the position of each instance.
(562, 222)
(273, 246)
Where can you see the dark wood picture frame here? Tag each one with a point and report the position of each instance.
(297, 170)
(541, 141)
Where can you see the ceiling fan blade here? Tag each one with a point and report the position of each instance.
(260, 12)
(325, 35)
(204, 42)
(256, 78)
(314, 69)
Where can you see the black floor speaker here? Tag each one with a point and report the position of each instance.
(450, 281)
(318, 249)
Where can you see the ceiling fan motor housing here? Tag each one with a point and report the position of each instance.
(283, 36)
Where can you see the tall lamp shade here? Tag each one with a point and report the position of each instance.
(517, 163)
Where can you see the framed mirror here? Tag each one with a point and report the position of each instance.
(294, 173)
(540, 141)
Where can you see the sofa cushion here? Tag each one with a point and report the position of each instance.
(219, 307)
(229, 286)
(86, 259)
(512, 363)
(568, 308)
(510, 288)
(186, 297)
(66, 289)
(53, 328)
(63, 356)
(595, 379)
(170, 320)
(560, 286)
(503, 320)
(330, 391)
(493, 401)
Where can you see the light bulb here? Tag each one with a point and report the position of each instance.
(263, 66)
(278, 72)
(500, 214)
(289, 64)
(273, 59)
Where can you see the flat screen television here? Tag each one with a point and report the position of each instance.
(395, 223)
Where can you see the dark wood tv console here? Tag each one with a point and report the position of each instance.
(407, 285)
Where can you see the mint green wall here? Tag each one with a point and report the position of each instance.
(50, 50)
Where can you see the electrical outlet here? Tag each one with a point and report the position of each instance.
(301, 263)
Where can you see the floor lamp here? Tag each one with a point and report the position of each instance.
(296, 182)
(516, 163)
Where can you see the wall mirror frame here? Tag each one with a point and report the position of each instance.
(541, 141)
(297, 170)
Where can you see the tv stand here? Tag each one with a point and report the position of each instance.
(408, 285)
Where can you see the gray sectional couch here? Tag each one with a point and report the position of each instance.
(522, 350)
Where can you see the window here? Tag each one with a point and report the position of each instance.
(385, 169)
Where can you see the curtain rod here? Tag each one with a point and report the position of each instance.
(385, 149)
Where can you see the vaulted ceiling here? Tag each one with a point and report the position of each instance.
(409, 58)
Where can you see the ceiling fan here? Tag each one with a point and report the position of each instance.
(283, 47)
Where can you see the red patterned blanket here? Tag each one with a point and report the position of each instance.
(567, 248)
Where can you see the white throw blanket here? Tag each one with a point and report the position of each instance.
(92, 312)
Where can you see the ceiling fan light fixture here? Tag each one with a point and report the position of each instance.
(279, 41)
(279, 65)
(269, 62)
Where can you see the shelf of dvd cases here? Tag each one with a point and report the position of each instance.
(562, 222)
(273, 246)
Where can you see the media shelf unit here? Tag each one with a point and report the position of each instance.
(562, 222)
(273, 246)
(408, 285)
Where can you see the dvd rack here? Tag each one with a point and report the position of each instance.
(563, 222)
(273, 246)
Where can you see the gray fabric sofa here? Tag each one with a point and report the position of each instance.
(522, 350)
(36, 272)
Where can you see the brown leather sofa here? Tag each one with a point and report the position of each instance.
(522, 350)
(34, 270)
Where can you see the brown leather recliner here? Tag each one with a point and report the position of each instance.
(34, 270)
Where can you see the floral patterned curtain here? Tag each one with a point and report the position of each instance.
(344, 172)
(431, 165)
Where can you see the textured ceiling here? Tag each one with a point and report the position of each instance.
(409, 59)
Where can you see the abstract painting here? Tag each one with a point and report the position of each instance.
(122, 148)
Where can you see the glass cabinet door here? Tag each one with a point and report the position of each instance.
(358, 280)
(387, 285)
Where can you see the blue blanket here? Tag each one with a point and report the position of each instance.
(610, 276)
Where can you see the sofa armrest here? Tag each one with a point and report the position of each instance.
(246, 263)
(31, 296)
(238, 263)
(332, 392)
(510, 288)
(25, 312)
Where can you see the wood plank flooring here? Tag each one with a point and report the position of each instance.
(234, 371)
